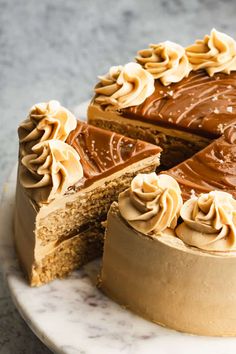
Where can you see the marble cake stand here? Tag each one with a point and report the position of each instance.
(72, 317)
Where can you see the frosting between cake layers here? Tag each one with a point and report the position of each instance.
(215, 53)
(166, 61)
(124, 86)
(46, 121)
(209, 222)
(151, 204)
(49, 170)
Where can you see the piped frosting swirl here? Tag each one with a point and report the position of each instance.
(124, 86)
(209, 222)
(49, 170)
(46, 121)
(151, 204)
(214, 53)
(166, 61)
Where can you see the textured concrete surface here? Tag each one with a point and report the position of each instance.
(55, 49)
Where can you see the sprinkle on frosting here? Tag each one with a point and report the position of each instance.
(209, 222)
(166, 61)
(49, 170)
(124, 86)
(152, 203)
(45, 121)
(214, 53)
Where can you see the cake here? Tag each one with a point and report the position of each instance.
(69, 173)
(170, 240)
(189, 104)
(170, 245)
(179, 275)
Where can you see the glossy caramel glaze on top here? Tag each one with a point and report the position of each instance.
(197, 104)
(212, 168)
(103, 152)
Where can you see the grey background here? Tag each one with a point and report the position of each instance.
(54, 49)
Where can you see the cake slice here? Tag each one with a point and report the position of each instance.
(69, 173)
(213, 168)
(189, 105)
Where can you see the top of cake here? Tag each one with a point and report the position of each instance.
(190, 89)
(60, 155)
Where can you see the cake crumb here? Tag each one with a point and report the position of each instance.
(216, 111)
(170, 93)
(229, 109)
(229, 86)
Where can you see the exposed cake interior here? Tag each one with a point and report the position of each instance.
(65, 233)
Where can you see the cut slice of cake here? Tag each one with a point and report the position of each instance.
(69, 173)
(187, 105)
(213, 168)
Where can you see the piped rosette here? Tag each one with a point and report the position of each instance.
(124, 86)
(214, 53)
(209, 222)
(151, 204)
(50, 170)
(46, 121)
(48, 165)
(166, 61)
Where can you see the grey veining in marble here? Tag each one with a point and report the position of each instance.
(55, 49)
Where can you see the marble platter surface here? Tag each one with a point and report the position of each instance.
(72, 317)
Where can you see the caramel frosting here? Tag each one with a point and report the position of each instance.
(166, 61)
(46, 121)
(213, 168)
(198, 104)
(214, 53)
(52, 167)
(209, 222)
(103, 152)
(152, 203)
(124, 87)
